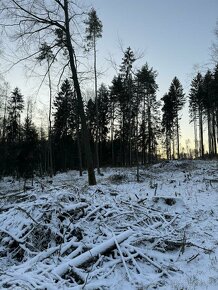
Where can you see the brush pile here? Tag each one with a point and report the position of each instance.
(68, 237)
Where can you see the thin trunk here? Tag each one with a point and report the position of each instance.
(112, 135)
(4, 118)
(137, 135)
(168, 145)
(149, 131)
(201, 136)
(96, 106)
(49, 120)
(173, 141)
(85, 133)
(177, 133)
(210, 141)
(79, 153)
(214, 133)
(130, 125)
(79, 143)
(195, 135)
(143, 132)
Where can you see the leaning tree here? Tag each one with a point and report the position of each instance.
(33, 22)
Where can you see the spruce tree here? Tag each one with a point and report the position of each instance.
(15, 108)
(64, 128)
(167, 123)
(149, 129)
(126, 103)
(178, 101)
(196, 107)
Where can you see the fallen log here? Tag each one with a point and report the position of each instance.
(91, 254)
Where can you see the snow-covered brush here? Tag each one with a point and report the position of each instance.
(75, 237)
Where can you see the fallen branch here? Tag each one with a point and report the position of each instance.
(19, 241)
(91, 254)
(193, 257)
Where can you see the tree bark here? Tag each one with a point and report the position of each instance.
(85, 133)
(96, 106)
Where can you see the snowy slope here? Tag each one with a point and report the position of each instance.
(160, 233)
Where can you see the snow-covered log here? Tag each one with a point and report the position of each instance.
(91, 254)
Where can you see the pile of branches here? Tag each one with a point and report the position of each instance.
(63, 238)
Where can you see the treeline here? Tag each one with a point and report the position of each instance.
(127, 121)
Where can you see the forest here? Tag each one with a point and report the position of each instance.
(122, 124)
(103, 193)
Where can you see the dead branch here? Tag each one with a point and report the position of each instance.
(91, 254)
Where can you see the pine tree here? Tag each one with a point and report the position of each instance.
(64, 128)
(126, 103)
(15, 108)
(93, 32)
(167, 123)
(147, 87)
(208, 105)
(178, 101)
(28, 155)
(196, 110)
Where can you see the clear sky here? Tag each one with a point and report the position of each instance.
(174, 36)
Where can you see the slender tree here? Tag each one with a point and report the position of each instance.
(64, 128)
(147, 86)
(47, 55)
(208, 111)
(15, 108)
(196, 110)
(167, 123)
(93, 32)
(178, 101)
(127, 102)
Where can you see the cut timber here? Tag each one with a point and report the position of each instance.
(91, 254)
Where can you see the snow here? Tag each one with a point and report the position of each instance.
(159, 233)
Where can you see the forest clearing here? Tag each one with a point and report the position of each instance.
(159, 233)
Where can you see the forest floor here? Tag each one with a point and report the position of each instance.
(159, 233)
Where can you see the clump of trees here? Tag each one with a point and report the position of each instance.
(203, 108)
(121, 125)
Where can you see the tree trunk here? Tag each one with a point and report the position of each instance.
(96, 106)
(195, 135)
(137, 136)
(112, 135)
(214, 134)
(201, 136)
(85, 133)
(177, 133)
(50, 164)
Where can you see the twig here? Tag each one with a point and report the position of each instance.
(193, 257)
(23, 210)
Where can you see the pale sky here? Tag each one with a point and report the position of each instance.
(174, 37)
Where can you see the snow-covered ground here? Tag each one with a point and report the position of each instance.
(160, 233)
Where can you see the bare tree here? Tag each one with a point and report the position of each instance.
(55, 22)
